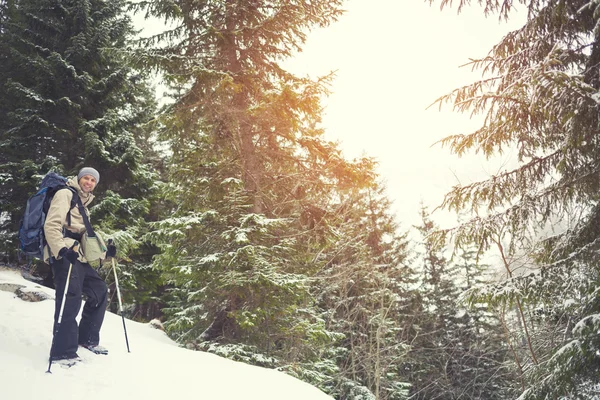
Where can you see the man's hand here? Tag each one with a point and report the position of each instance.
(111, 249)
(69, 254)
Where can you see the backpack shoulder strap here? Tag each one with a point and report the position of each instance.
(86, 220)
(75, 198)
(74, 201)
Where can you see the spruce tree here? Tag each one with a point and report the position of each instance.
(435, 321)
(68, 99)
(367, 293)
(268, 210)
(457, 351)
(489, 353)
(246, 154)
(539, 97)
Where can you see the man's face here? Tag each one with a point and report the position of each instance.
(87, 183)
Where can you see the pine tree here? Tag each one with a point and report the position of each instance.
(367, 296)
(268, 211)
(246, 155)
(68, 99)
(489, 356)
(458, 351)
(539, 96)
(435, 321)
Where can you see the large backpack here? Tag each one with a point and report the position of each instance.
(31, 231)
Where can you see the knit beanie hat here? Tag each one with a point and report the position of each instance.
(88, 171)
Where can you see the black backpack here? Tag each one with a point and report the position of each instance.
(31, 231)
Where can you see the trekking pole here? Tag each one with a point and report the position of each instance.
(60, 313)
(120, 302)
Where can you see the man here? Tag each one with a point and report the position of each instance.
(63, 227)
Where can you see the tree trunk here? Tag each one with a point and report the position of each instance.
(244, 133)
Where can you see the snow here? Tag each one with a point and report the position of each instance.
(591, 321)
(156, 368)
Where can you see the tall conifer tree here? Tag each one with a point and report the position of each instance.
(68, 99)
(367, 292)
(539, 95)
(249, 168)
(262, 196)
(456, 352)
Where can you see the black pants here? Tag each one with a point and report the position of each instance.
(84, 279)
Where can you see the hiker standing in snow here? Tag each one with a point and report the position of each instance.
(63, 227)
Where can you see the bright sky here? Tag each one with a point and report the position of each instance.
(393, 59)
(156, 368)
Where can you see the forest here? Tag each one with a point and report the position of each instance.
(249, 235)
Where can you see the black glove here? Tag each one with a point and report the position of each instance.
(111, 249)
(69, 254)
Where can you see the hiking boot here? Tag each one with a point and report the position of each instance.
(67, 356)
(66, 360)
(96, 349)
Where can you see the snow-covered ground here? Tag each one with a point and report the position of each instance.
(156, 368)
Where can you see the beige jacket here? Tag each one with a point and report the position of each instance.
(57, 219)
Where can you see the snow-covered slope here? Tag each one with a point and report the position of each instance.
(156, 368)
